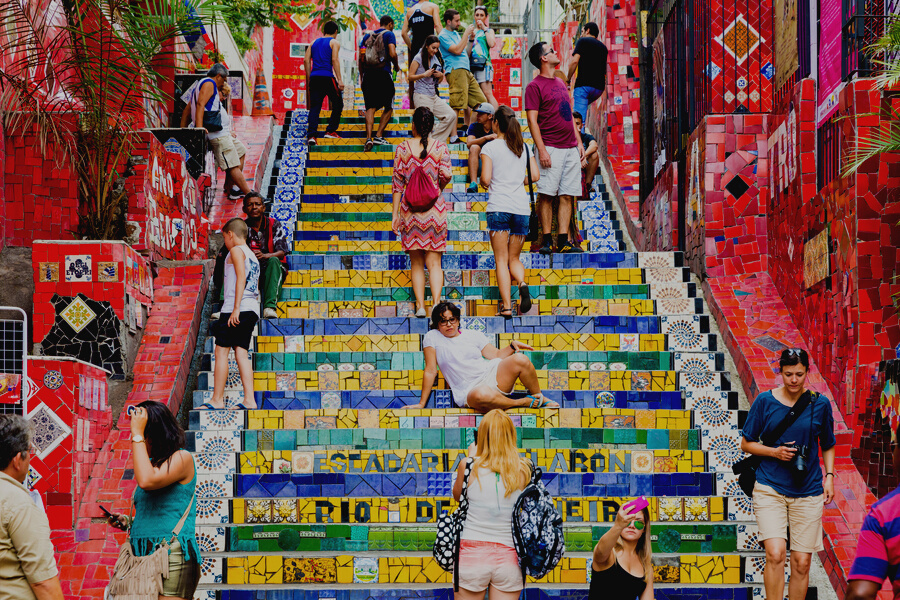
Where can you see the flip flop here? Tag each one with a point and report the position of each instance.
(240, 406)
(542, 402)
(208, 406)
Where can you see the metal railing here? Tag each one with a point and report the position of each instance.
(864, 23)
(15, 387)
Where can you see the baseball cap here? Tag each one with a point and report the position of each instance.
(486, 108)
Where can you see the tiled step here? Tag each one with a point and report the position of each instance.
(482, 261)
(397, 278)
(477, 206)
(441, 400)
(489, 308)
(358, 438)
(677, 293)
(557, 592)
(574, 361)
(667, 538)
(215, 509)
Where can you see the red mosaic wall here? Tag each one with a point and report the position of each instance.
(116, 274)
(72, 420)
(40, 193)
(506, 57)
(659, 213)
(86, 555)
(165, 216)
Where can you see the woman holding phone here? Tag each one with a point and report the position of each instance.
(426, 72)
(622, 567)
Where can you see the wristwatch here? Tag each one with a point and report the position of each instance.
(137, 438)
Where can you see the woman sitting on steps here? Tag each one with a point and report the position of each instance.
(477, 383)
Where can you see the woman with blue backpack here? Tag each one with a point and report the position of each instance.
(498, 474)
(622, 567)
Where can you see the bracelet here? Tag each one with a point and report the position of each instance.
(827, 474)
(514, 349)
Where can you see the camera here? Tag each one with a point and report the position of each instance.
(800, 462)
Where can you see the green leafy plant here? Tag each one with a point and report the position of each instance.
(244, 16)
(884, 53)
(346, 14)
(466, 8)
(84, 80)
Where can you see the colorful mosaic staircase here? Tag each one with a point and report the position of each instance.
(330, 490)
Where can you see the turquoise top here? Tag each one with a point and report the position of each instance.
(156, 514)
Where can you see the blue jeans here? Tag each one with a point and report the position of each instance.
(508, 222)
(584, 96)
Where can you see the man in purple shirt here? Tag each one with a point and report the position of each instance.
(878, 547)
(558, 144)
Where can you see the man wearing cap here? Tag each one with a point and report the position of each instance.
(480, 133)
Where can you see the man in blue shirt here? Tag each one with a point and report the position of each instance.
(377, 52)
(465, 93)
(323, 72)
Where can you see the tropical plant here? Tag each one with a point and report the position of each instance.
(885, 54)
(346, 14)
(83, 76)
(245, 15)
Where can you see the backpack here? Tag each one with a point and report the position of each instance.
(375, 56)
(421, 191)
(537, 529)
(449, 530)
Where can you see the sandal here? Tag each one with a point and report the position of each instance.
(540, 401)
(240, 406)
(208, 406)
(506, 313)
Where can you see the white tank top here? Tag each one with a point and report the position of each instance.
(250, 299)
(490, 511)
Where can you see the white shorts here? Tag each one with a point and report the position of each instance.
(485, 75)
(489, 378)
(563, 178)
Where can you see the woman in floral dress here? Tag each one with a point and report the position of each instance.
(423, 234)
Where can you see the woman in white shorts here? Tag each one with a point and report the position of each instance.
(487, 557)
(480, 376)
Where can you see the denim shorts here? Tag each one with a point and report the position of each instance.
(503, 221)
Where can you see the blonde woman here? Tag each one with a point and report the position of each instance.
(487, 557)
(622, 567)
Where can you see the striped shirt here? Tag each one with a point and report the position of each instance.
(878, 550)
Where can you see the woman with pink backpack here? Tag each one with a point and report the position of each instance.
(419, 216)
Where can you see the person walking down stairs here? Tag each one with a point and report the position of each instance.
(323, 68)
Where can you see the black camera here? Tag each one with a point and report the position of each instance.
(800, 462)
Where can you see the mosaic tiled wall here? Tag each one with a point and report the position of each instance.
(741, 67)
(165, 212)
(882, 415)
(39, 195)
(659, 212)
(67, 404)
(87, 297)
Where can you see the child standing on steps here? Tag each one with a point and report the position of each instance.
(240, 313)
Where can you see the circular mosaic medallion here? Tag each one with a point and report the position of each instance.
(53, 380)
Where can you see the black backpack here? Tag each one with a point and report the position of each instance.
(537, 529)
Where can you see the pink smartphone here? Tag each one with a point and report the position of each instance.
(637, 505)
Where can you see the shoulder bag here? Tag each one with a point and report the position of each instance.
(746, 468)
(421, 190)
(212, 117)
(140, 577)
(449, 531)
(534, 223)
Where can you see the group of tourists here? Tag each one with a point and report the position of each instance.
(786, 431)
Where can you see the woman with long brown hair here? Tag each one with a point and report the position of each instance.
(426, 71)
(622, 567)
(487, 557)
(504, 172)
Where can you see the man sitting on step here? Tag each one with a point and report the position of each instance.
(269, 243)
(590, 162)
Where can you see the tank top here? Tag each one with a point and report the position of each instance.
(156, 514)
(321, 58)
(421, 25)
(615, 583)
(214, 104)
(250, 299)
(490, 510)
(427, 86)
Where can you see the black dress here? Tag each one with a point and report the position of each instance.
(615, 583)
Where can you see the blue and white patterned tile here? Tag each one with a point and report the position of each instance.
(694, 361)
(700, 381)
(660, 291)
(727, 485)
(291, 178)
(211, 539)
(679, 325)
(288, 195)
(704, 401)
(748, 538)
(716, 419)
(215, 486)
(723, 451)
(218, 441)
(215, 463)
(211, 571)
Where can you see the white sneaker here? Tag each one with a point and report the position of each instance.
(215, 316)
(270, 313)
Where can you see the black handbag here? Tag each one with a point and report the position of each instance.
(534, 223)
(746, 468)
(212, 121)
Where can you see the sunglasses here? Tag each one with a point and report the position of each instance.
(550, 51)
(639, 525)
(481, 7)
(795, 352)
